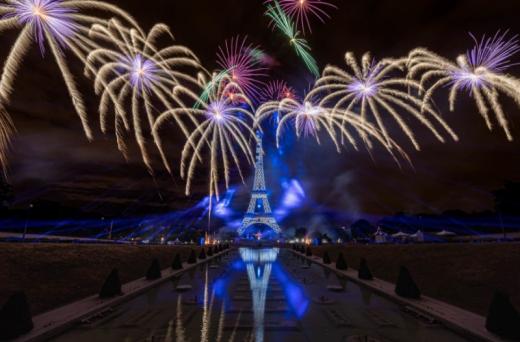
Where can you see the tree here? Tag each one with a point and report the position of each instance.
(15, 317)
(406, 286)
(300, 233)
(112, 285)
(362, 228)
(341, 263)
(507, 199)
(154, 271)
(6, 194)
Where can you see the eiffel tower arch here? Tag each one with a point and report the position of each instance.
(259, 210)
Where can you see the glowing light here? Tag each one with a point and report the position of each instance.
(143, 72)
(46, 16)
(294, 195)
(480, 71)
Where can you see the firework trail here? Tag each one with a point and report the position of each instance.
(6, 132)
(133, 72)
(371, 89)
(60, 24)
(481, 72)
(309, 119)
(301, 11)
(288, 28)
(224, 130)
(243, 66)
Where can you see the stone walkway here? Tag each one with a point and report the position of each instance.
(54, 322)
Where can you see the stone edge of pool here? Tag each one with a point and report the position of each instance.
(57, 321)
(462, 321)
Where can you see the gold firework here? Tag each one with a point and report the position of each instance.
(6, 131)
(58, 24)
(480, 77)
(371, 89)
(224, 130)
(309, 119)
(132, 72)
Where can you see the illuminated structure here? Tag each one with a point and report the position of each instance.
(259, 264)
(259, 210)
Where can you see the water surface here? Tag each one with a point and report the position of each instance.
(259, 295)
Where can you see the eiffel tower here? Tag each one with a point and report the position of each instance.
(259, 210)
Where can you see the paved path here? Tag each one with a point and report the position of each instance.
(455, 318)
(58, 320)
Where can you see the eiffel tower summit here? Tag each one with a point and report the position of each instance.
(259, 215)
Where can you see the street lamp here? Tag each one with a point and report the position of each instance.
(110, 231)
(27, 216)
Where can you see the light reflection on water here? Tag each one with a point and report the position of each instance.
(259, 263)
(257, 294)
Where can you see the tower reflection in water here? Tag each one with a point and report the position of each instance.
(259, 263)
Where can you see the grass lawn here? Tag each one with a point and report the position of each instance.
(464, 275)
(56, 274)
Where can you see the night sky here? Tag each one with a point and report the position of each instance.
(52, 161)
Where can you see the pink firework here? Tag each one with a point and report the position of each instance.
(235, 58)
(277, 91)
(301, 11)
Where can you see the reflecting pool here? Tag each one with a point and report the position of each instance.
(258, 294)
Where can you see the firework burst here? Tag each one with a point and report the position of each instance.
(277, 90)
(372, 89)
(223, 130)
(480, 71)
(310, 118)
(58, 24)
(243, 66)
(133, 72)
(288, 28)
(301, 11)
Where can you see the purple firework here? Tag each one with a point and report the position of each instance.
(277, 91)
(243, 68)
(493, 53)
(46, 17)
(217, 110)
(306, 119)
(143, 72)
(367, 86)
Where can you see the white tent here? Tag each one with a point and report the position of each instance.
(418, 236)
(400, 235)
(445, 233)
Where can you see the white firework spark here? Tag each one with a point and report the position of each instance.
(133, 72)
(60, 24)
(480, 71)
(6, 132)
(224, 131)
(309, 119)
(371, 89)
